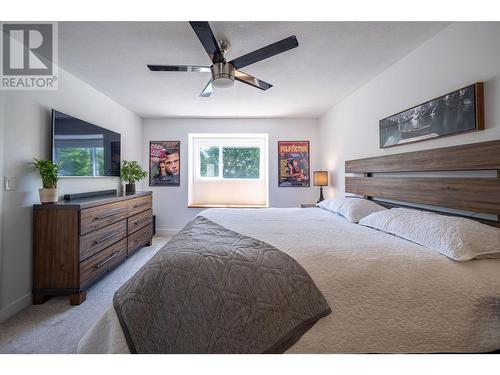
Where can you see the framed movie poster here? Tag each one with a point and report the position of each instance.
(459, 111)
(164, 163)
(293, 164)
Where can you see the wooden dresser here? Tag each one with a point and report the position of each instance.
(76, 242)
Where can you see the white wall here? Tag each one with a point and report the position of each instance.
(170, 203)
(27, 135)
(2, 137)
(460, 55)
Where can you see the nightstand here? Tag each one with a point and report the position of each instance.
(307, 205)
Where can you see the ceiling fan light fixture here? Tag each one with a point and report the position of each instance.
(223, 75)
(223, 82)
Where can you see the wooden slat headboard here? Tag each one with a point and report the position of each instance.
(481, 195)
(474, 156)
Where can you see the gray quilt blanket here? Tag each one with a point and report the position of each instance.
(212, 290)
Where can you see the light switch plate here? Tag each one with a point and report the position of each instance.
(9, 183)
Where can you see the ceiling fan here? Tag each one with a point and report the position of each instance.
(225, 72)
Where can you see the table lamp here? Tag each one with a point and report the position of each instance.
(320, 178)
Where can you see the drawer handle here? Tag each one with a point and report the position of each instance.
(111, 235)
(113, 255)
(141, 204)
(111, 213)
(142, 221)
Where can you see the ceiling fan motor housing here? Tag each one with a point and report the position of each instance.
(223, 75)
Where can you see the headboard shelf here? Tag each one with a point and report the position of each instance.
(474, 194)
(471, 157)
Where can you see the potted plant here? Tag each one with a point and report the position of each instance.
(48, 172)
(131, 172)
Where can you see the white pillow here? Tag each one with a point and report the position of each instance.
(353, 209)
(456, 237)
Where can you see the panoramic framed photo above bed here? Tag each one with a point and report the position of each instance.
(293, 164)
(164, 163)
(457, 112)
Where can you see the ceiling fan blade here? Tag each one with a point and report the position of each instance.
(252, 81)
(207, 38)
(179, 68)
(265, 52)
(207, 91)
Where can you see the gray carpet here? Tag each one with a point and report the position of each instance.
(56, 326)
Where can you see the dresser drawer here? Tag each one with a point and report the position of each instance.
(93, 242)
(138, 205)
(139, 221)
(140, 238)
(106, 259)
(100, 216)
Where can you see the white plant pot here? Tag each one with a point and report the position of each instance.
(48, 195)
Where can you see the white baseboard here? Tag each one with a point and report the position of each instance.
(16, 306)
(167, 232)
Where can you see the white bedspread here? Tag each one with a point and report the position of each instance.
(386, 294)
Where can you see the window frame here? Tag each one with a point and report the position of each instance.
(197, 188)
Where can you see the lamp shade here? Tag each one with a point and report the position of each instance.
(320, 178)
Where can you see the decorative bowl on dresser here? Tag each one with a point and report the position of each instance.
(78, 241)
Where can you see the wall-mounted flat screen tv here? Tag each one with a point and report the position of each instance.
(84, 149)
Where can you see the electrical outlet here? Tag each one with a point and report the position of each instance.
(9, 183)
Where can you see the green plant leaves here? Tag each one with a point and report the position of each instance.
(131, 171)
(48, 172)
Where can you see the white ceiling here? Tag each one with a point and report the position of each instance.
(333, 59)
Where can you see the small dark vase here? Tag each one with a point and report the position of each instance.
(129, 188)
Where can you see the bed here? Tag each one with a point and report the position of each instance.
(387, 294)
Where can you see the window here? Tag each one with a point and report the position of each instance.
(241, 162)
(229, 162)
(227, 169)
(209, 161)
